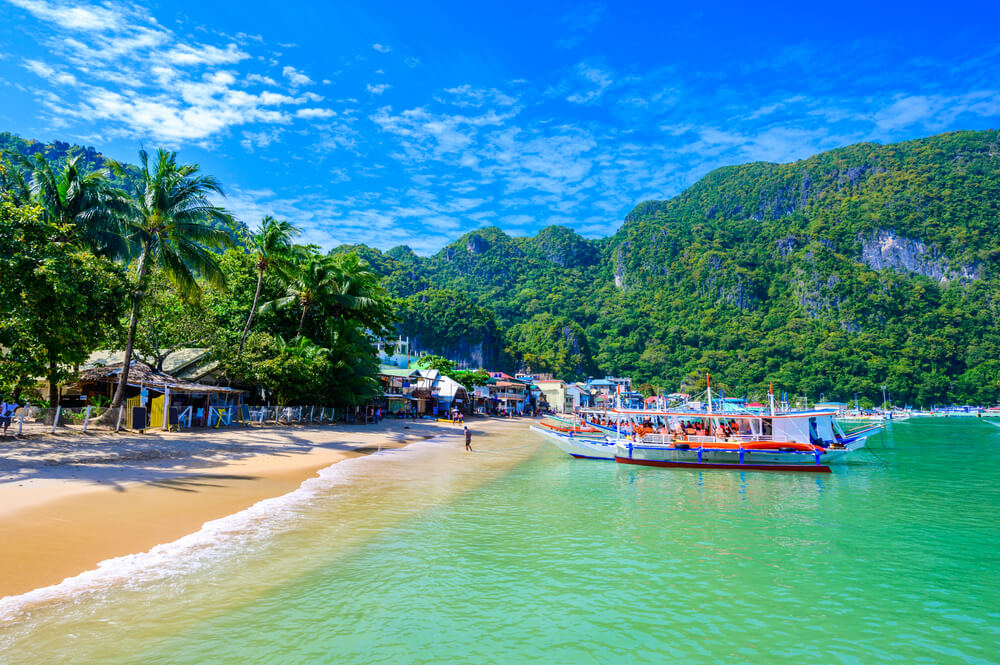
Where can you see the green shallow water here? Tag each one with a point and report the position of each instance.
(519, 554)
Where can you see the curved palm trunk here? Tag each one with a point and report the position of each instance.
(253, 310)
(302, 320)
(133, 324)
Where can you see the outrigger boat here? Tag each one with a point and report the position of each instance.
(577, 438)
(770, 441)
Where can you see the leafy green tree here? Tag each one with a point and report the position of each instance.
(446, 322)
(169, 321)
(176, 226)
(553, 344)
(59, 300)
(468, 378)
(291, 371)
(439, 363)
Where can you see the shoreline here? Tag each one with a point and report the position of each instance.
(68, 504)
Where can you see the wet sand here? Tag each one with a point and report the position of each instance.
(67, 504)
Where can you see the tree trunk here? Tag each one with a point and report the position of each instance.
(302, 320)
(133, 324)
(253, 310)
(53, 383)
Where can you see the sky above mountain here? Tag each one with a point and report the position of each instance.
(411, 123)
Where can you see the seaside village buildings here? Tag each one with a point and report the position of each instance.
(408, 389)
(189, 392)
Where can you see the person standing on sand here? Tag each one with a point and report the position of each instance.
(468, 440)
(6, 414)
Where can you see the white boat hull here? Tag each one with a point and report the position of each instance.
(578, 446)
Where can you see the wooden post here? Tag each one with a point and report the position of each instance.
(20, 423)
(166, 409)
(86, 419)
(121, 410)
(55, 420)
(312, 410)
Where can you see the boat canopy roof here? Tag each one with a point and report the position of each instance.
(679, 413)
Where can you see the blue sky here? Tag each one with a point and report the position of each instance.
(411, 123)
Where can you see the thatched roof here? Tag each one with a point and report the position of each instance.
(141, 374)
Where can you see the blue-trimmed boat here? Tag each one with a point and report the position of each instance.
(698, 438)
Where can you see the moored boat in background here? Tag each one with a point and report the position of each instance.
(688, 437)
(583, 447)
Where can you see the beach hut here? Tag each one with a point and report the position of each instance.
(167, 399)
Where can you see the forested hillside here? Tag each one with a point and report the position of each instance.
(858, 267)
(57, 152)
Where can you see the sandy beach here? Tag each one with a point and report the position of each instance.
(67, 503)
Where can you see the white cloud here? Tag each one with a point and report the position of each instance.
(467, 96)
(72, 16)
(595, 81)
(202, 54)
(295, 77)
(315, 113)
(258, 78)
(381, 48)
(378, 88)
(260, 139)
(49, 73)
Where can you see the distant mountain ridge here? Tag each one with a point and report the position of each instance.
(858, 267)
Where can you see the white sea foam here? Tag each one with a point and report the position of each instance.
(216, 539)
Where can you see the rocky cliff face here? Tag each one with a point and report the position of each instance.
(885, 249)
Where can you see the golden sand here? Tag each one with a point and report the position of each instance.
(67, 504)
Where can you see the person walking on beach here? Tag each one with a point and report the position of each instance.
(7, 410)
(468, 440)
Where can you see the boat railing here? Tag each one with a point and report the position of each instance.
(670, 439)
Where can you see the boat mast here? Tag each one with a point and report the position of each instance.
(770, 396)
(708, 381)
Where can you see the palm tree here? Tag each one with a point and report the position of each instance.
(174, 226)
(87, 205)
(343, 286)
(356, 292)
(272, 246)
(309, 287)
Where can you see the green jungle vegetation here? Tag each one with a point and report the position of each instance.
(98, 255)
(832, 276)
(865, 266)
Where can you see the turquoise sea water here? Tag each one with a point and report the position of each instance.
(519, 554)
